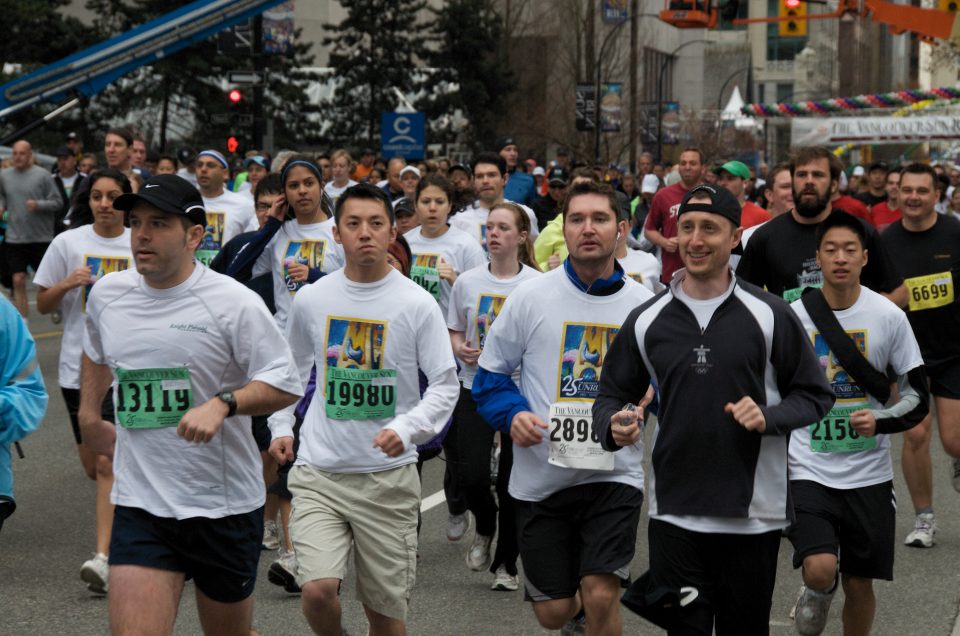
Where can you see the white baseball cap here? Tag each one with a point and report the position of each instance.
(650, 184)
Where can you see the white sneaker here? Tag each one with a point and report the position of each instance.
(283, 572)
(811, 611)
(924, 531)
(956, 474)
(457, 526)
(478, 558)
(503, 581)
(95, 573)
(271, 536)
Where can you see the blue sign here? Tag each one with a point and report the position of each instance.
(615, 11)
(403, 135)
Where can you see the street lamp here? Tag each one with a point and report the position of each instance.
(663, 68)
(599, 65)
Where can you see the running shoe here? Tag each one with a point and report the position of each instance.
(95, 573)
(956, 474)
(924, 531)
(271, 536)
(811, 611)
(478, 557)
(283, 572)
(457, 526)
(503, 581)
(574, 626)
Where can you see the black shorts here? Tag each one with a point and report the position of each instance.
(71, 397)
(261, 432)
(700, 581)
(220, 555)
(945, 379)
(576, 532)
(858, 525)
(23, 255)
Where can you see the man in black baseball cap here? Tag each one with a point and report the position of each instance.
(167, 223)
(708, 240)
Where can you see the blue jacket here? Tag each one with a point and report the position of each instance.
(23, 398)
(520, 188)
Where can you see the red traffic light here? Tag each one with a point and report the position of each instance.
(792, 4)
(232, 144)
(235, 96)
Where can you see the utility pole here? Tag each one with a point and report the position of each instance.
(634, 115)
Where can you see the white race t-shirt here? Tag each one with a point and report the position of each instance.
(227, 215)
(643, 268)
(475, 302)
(559, 336)
(473, 221)
(334, 192)
(68, 251)
(882, 331)
(172, 349)
(454, 247)
(374, 336)
(309, 244)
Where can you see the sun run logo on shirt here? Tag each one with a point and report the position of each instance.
(482, 233)
(354, 343)
(701, 366)
(583, 350)
(100, 266)
(843, 385)
(488, 308)
(306, 252)
(212, 240)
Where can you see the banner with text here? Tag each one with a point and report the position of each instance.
(836, 131)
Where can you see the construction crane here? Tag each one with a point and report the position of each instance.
(929, 24)
(89, 71)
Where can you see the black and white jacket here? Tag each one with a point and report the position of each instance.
(703, 462)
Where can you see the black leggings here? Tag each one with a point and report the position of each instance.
(474, 443)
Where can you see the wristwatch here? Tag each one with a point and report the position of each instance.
(230, 401)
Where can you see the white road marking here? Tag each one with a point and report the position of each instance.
(432, 501)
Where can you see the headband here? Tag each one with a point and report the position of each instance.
(215, 155)
(299, 162)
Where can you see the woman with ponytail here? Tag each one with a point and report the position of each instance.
(475, 300)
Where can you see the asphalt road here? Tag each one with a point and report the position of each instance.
(43, 545)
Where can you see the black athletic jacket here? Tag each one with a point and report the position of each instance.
(703, 461)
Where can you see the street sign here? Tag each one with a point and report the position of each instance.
(239, 119)
(403, 135)
(249, 78)
(615, 11)
(220, 118)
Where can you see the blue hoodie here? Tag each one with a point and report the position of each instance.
(23, 398)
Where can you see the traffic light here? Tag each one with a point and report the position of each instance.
(948, 5)
(233, 144)
(797, 27)
(235, 96)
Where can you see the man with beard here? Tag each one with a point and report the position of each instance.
(781, 255)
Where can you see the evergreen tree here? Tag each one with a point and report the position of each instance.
(194, 80)
(470, 54)
(375, 54)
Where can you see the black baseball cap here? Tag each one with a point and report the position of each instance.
(503, 142)
(63, 151)
(72, 136)
(168, 193)
(463, 168)
(558, 176)
(722, 202)
(403, 207)
(186, 155)
(878, 165)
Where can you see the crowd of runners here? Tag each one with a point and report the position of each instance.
(259, 355)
